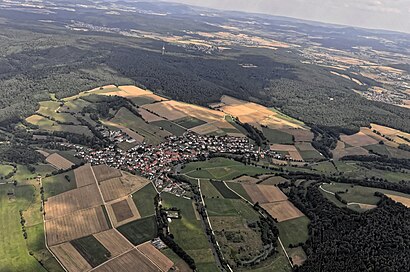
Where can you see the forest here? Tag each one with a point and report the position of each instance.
(50, 59)
(344, 240)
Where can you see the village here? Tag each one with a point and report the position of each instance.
(156, 162)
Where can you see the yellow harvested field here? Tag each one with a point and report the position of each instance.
(70, 258)
(401, 199)
(204, 129)
(71, 201)
(84, 175)
(281, 147)
(358, 140)
(165, 110)
(351, 151)
(379, 138)
(148, 116)
(159, 259)
(75, 225)
(59, 161)
(104, 172)
(282, 211)
(34, 119)
(264, 193)
(131, 261)
(99, 90)
(173, 110)
(392, 133)
(120, 187)
(114, 242)
(133, 91)
(123, 211)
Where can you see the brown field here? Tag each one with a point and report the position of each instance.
(70, 258)
(285, 148)
(148, 116)
(114, 242)
(123, 211)
(59, 161)
(301, 135)
(173, 110)
(159, 259)
(264, 193)
(71, 201)
(340, 145)
(227, 100)
(131, 261)
(304, 146)
(121, 187)
(351, 151)
(359, 139)
(42, 152)
(75, 225)
(282, 211)
(401, 199)
(298, 255)
(84, 175)
(295, 155)
(377, 137)
(204, 129)
(104, 172)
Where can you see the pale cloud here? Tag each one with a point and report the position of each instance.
(382, 14)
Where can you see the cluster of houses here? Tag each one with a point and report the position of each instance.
(156, 162)
(115, 136)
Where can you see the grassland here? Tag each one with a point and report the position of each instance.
(5, 169)
(144, 200)
(325, 167)
(91, 250)
(13, 249)
(140, 231)
(230, 207)
(357, 194)
(294, 231)
(188, 232)
(220, 169)
(238, 188)
(275, 136)
(58, 184)
(152, 134)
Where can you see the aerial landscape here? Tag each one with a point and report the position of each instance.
(158, 136)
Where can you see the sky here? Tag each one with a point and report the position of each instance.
(377, 14)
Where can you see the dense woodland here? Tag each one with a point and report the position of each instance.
(343, 240)
(52, 59)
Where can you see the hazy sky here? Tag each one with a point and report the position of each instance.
(381, 14)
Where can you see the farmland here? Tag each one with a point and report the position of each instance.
(221, 169)
(144, 200)
(139, 231)
(188, 232)
(114, 242)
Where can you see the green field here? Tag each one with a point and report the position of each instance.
(142, 100)
(58, 184)
(209, 191)
(230, 207)
(275, 136)
(144, 200)
(47, 124)
(92, 250)
(140, 231)
(189, 122)
(311, 155)
(44, 169)
(356, 194)
(294, 231)
(13, 249)
(325, 167)
(188, 232)
(238, 188)
(5, 169)
(224, 190)
(152, 134)
(170, 127)
(221, 169)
